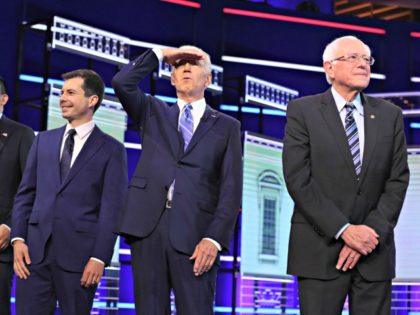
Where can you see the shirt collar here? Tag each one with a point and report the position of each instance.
(199, 104)
(340, 102)
(82, 130)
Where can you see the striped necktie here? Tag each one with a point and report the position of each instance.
(186, 125)
(353, 137)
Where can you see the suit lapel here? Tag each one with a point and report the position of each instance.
(332, 119)
(207, 121)
(371, 117)
(175, 142)
(92, 145)
(55, 147)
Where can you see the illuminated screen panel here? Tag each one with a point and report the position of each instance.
(407, 232)
(110, 116)
(267, 209)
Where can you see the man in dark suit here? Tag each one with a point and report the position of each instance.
(345, 166)
(67, 205)
(184, 196)
(15, 141)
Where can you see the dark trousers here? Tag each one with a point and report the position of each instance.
(158, 267)
(6, 278)
(327, 297)
(49, 283)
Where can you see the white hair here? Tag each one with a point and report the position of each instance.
(330, 51)
(206, 60)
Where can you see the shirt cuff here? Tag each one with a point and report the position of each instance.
(6, 226)
(158, 52)
(337, 236)
(219, 248)
(17, 239)
(98, 260)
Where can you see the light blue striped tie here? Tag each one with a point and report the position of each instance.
(353, 137)
(186, 125)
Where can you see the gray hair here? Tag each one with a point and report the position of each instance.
(330, 51)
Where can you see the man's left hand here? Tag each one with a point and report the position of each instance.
(4, 237)
(92, 274)
(205, 254)
(347, 258)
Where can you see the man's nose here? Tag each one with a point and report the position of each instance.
(187, 66)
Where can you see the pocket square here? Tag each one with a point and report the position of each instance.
(4, 134)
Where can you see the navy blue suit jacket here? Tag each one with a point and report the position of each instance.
(80, 212)
(208, 174)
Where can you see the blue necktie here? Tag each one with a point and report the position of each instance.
(186, 128)
(353, 137)
(67, 154)
(186, 125)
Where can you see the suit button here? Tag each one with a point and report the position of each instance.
(359, 192)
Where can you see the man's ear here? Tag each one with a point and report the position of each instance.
(3, 99)
(329, 68)
(172, 79)
(93, 100)
(208, 80)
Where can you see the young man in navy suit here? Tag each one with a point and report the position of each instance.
(67, 205)
(185, 194)
(345, 166)
(15, 142)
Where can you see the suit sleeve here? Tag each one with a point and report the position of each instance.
(384, 218)
(25, 196)
(125, 83)
(25, 142)
(221, 228)
(113, 193)
(311, 202)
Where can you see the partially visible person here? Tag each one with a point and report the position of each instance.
(15, 142)
(67, 205)
(345, 166)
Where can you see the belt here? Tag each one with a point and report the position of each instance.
(168, 204)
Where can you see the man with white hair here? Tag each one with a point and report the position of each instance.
(345, 166)
(185, 194)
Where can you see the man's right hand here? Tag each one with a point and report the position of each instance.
(361, 238)
(21, 259)
(171, 55)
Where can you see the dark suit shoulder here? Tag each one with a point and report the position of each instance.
(229, 119)
(16, 125)
(382, 104)
(308, 100)
(110, 141)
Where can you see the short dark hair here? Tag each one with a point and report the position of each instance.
(92, 83)
(3, 86)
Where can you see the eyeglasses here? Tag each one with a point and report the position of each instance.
(355, 58)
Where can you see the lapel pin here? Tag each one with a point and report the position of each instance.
(372, 116)
(4, 134)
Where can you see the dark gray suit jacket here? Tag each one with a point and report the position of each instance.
(321, 179)
(15, 142)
